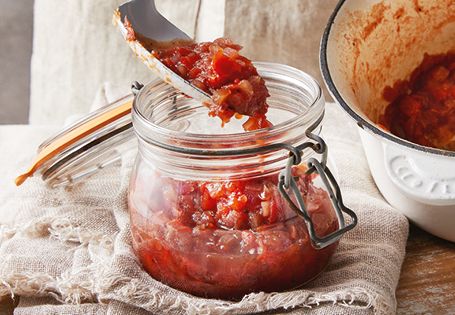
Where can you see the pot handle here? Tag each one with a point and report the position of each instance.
(425, 177)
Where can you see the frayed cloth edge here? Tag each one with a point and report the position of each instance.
(68, 289)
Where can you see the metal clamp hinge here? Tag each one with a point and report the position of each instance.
(136, 87)
(288, 183)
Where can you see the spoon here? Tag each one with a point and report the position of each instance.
(153, 31)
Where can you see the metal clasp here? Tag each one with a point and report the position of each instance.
(287, 182)
(136, 87)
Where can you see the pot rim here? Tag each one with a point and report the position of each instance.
(365, 124)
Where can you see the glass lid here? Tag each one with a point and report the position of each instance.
(95, 141)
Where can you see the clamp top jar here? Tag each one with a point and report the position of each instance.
(220, 213)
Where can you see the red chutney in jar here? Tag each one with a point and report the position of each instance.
(422, 110)
(218, 69)
(227, 239)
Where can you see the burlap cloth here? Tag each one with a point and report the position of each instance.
(68, 251)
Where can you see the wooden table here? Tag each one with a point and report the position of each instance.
(427, 282)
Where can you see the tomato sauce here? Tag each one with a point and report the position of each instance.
(422, 109)
(227, 239)
(218, 69)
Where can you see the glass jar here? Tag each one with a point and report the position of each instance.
(219, 212)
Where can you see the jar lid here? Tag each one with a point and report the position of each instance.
(97, 140)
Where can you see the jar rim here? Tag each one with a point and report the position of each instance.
(152, 132)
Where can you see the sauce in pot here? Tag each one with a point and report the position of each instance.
(422, 110)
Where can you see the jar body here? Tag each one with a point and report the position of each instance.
(217, 225)
(225, 239)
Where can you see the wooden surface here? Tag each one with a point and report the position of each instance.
(7, 305)
(427, 282)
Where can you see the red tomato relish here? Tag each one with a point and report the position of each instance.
(218, 69)
(422, 110)
(227, 239)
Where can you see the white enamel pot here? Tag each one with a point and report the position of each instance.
(368, 45)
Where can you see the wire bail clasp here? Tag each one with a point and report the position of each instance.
(136, 87)
(287, 183)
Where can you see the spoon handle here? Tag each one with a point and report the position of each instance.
(154, 64)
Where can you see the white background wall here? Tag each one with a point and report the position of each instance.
(16, 29)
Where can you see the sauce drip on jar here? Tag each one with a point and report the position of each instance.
(422, 110)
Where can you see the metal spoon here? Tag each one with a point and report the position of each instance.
(153, 31)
